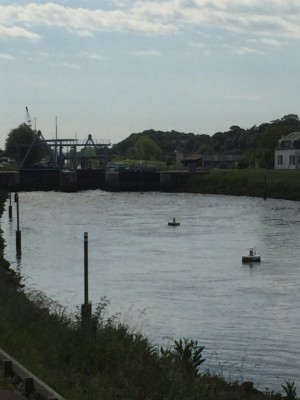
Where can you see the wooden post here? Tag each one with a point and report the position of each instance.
(86, 308)
(18, 232)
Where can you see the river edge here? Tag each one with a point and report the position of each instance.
(273, 184)
(32, 333)
(264, 183)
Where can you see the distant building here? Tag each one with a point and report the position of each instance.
(195, 161)
(7, 160)
(287, 152)
(222, 161)
(192, 161)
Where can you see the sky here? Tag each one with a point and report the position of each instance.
(110, 68)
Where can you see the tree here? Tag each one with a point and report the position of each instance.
(146, 149)
(267, 158)
(18, 143)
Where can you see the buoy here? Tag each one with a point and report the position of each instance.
(251, 257)
(174, 223)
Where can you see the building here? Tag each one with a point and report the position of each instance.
(287, 152)
(192, 161)
(195, 161)
(222, 160)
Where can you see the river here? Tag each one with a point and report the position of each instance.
(182, 282)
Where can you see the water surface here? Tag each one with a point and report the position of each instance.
(186, 281)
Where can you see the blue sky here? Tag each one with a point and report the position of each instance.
(114, 67)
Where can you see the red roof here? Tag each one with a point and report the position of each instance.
(192, 157)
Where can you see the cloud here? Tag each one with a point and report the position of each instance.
(72, 66)
(243, 50)
(92, 56)
(17, 32)
(84, 33)
(268, 19)
(147, 53)
(4, 56)
(267, 41)
(82, 20)
(66, 65)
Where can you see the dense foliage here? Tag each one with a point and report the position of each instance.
(18, 145)
(256, 143)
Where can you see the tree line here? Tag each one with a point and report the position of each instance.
(255, 143)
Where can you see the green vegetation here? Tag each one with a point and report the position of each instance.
(290, 390)
(256, 143)
(100, 358)
(247, 182)
(18, 143)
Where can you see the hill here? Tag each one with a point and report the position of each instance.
(256, 142)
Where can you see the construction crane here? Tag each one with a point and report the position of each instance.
(28, 118)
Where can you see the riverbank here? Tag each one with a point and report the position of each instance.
(102, 359)
(247, 182)
(263, 183)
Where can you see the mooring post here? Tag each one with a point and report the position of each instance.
(86, 308)
(265, 188)
(10, 207)
(18, 232)
(86, 268)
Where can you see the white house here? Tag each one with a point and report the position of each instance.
(287, 153)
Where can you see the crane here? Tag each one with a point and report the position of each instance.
(28, 117)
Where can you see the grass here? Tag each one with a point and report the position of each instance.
(101, 358)
(248, 182)
(280, 184)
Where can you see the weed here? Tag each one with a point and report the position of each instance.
(290, 390)
(187, 352)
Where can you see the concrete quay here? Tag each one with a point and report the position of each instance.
(90, 179)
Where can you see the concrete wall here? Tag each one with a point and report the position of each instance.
(173, 181)
(142, 181)
(70, 181)
(32, 179)
(112, 181)
(9, 180)
(88, 179)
